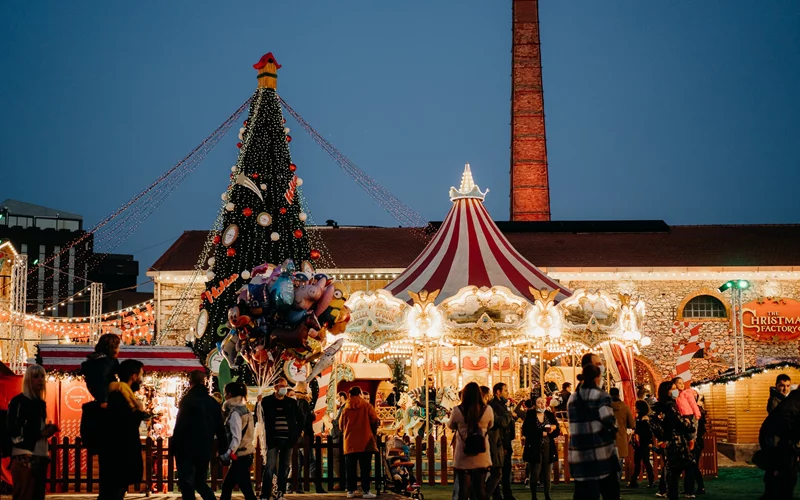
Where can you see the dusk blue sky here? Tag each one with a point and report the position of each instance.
(678, 110)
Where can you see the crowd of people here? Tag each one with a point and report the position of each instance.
(601, 428)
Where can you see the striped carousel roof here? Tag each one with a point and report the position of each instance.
(467, 250)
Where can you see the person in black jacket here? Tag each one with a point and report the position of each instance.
(120, 455)
(540, 430)
(280, 416)
(672, 432)
(778, 455)
(694, 477)
(642, 444)
(498, 437)
(28, 432)
(199, 420)
(783, 385)
(101, 366)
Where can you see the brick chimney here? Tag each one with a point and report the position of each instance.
(530, 188)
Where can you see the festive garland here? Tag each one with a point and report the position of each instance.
(728, 376)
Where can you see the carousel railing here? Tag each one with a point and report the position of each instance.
(73, 469)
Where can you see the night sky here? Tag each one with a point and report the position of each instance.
(684, 111)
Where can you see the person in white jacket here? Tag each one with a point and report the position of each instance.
(240, 431)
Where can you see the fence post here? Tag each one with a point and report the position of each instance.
(65, 465)
(566, 460)
(78, 464)
(148, 465)
(431, 454)
(214, 467)
(443, 459)
(53, 463)
(331, 460)
(89, 472)
(418, 457)
(295, 467)
(171, 467)
(306, 462)
(160, 465)
(318, 459)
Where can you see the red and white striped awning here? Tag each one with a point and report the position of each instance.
(469, 249)
(68, 358)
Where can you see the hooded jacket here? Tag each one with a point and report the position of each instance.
(239, 427)
(359, 420)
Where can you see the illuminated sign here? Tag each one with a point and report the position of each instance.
(773, 319)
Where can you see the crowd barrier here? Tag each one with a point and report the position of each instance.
(72, 469)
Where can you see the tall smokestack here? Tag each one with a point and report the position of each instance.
(530, 187)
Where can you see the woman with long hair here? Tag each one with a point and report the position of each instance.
(28, 430)
(672, 433)
(471, 421)
(540, 429)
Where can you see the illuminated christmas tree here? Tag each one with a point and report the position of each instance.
(263, 221)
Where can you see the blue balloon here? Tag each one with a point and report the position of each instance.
(281, 294)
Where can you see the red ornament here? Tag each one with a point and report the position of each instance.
(255, 175)
(247, 212)
(217, 239)
(283, 210)
(239, 145)
(283, 120)
(292, 167)
(298, 233)
(315, 254)
(231, 252)
(244, 123)
(288, 138)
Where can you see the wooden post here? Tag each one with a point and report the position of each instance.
(148, 466)
(431, 453)
(295, 467)
(159, 464)
(65, 465)
(89, 472)
(566, 460)
(443, 458)
(306, 462)
(171, 467)
(329, 447)
(78, 464)
(418, 458)
(53, 463)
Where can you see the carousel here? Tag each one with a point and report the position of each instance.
(471, 308)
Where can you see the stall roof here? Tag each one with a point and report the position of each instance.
(68, 358)
(371, 371)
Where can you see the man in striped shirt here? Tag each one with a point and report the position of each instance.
(593, 458)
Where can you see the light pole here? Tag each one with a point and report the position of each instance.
(736, 287)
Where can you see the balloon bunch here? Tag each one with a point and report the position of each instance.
(283, 313)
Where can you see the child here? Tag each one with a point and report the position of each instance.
(642, 441)
(687, 406)
(100, 368)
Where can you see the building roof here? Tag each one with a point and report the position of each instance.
(553, 245)
(469, 250)
(30, 210)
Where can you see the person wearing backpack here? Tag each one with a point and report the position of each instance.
(471, 421)
(593, 459)
(239, 431)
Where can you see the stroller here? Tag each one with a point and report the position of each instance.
(400, 469)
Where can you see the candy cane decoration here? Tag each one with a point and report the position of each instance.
(321, 404)
(689, 350)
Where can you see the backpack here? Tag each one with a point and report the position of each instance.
(92, 426)
(475, 440)
(5, 438)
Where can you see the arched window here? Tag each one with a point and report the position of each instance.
(704, 306)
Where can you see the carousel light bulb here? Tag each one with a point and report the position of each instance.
(524, 360)
(637, 335)
(627, 335)
(646, 341)
(454, 359)
(408, 362)
(495, 359)
(554, 332)
(420, 362)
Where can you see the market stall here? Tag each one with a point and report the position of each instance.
(165, 368)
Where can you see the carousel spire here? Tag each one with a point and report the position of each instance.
(468, 188)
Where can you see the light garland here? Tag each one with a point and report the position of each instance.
(671, 275)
